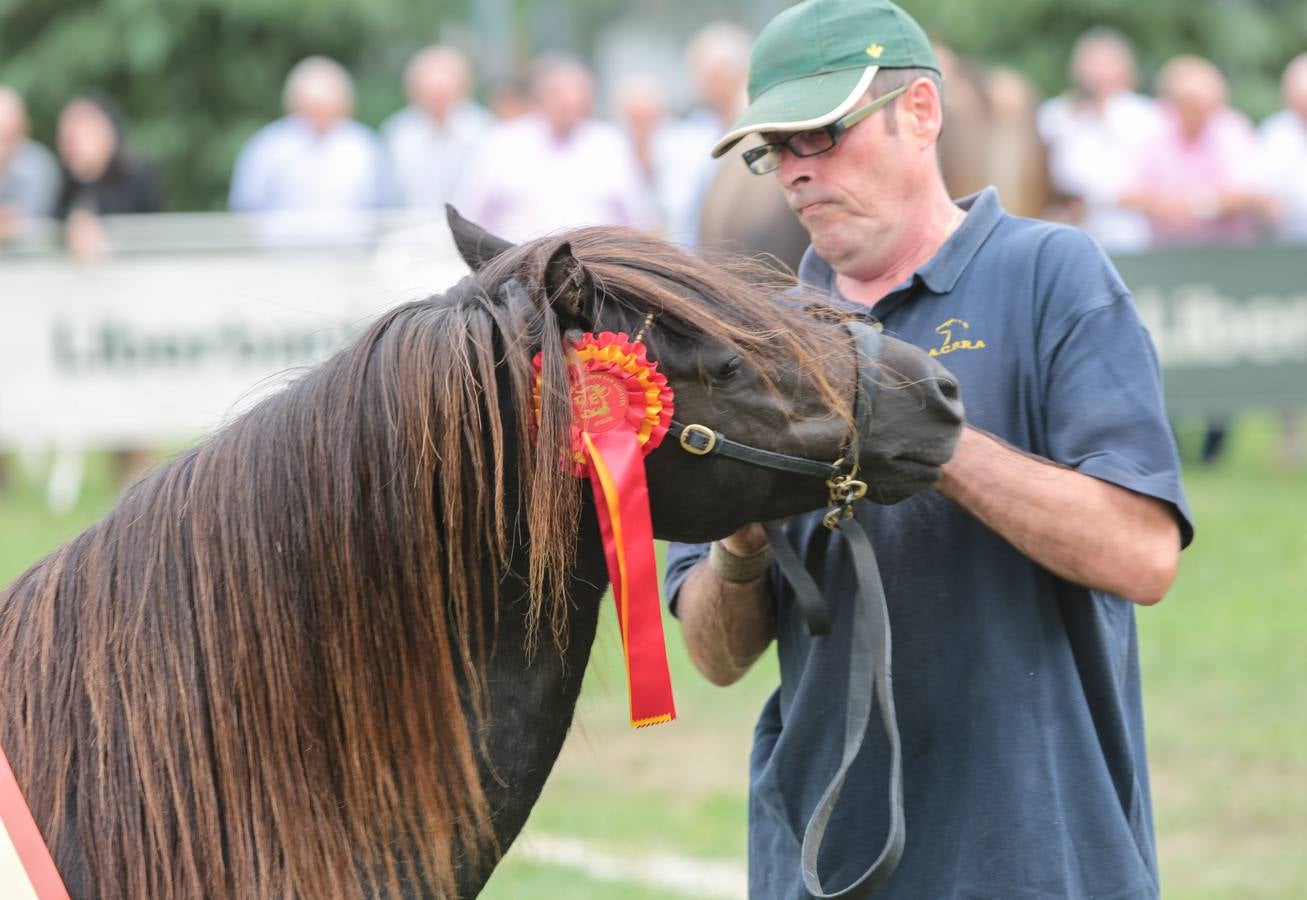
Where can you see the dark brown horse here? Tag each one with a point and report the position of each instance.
(333, 651)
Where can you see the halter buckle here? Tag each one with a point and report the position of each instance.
(708, 436)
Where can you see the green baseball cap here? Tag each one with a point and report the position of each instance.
(813, 61)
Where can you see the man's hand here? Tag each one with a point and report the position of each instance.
(748, 541)
(727, 624)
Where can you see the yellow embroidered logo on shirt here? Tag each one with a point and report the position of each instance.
(875, 50)
(948, 344)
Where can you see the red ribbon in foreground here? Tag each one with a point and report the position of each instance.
(26, 867)
(621, 407)
(622, 498)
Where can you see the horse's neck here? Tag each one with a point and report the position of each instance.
(533, 697)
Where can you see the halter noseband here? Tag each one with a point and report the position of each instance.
(840, 476)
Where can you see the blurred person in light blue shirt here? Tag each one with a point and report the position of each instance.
(430, 139)
(29, 175)
(316, 172)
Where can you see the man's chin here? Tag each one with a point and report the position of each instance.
(830, 246)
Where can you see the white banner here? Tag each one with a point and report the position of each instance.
(145, 350)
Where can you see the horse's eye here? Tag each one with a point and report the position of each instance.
(729, 369)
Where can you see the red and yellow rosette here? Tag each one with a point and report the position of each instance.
(621, 408)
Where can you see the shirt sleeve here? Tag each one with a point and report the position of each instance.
(247, 188)
(681, 558)
(1103, 408)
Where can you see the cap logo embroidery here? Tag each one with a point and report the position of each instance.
(948, 344)
(875, 50)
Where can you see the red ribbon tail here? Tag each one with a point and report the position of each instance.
(27, 858)
(622, 500)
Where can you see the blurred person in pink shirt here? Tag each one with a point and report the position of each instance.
(555, 167)
(1199, 181)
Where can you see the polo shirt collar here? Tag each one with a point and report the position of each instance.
(941, 272)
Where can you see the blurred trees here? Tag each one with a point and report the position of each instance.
(197, 77)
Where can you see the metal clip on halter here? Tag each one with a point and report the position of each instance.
(845, 490)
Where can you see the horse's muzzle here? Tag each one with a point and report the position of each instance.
(917, 418)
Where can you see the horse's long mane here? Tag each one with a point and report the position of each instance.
(253, 678)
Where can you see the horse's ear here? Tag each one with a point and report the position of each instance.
(571, 289)
(476, 245)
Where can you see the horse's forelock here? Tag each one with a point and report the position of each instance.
(760, 312)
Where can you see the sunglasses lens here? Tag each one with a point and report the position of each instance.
(761, 160)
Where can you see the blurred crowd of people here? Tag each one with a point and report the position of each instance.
(1134, 171)
(93, 173)
(538, 159)
(1182, 168)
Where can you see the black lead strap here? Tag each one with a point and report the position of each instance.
(869, 637)
(869, 659)
(816, 615)
(869, 680)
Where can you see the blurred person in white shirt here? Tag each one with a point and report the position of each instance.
(1093, 132)
(316, 171)
(555, 167)
(431, 138)
(1283, 137)
(640, 107)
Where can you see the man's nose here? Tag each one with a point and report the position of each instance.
(793, 170)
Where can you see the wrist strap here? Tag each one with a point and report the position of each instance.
(738, 569)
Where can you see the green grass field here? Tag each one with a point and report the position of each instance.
(1224, 674)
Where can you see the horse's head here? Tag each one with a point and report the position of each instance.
(749, 358)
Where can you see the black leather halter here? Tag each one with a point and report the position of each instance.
(869, 658)
(840, 475)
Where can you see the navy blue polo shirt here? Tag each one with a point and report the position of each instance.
(1018, 694)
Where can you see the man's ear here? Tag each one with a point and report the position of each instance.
(476, 245)
(924, 102)
(570, 289)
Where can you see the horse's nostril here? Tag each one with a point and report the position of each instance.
(949, 388)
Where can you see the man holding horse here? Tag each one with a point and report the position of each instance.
(1011, 587)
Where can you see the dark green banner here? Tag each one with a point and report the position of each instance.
(1230, 324)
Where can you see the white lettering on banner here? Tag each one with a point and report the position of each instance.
(1198, 326)
(148, 350)
(84, 348)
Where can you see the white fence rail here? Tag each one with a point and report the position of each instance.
(188, 320)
